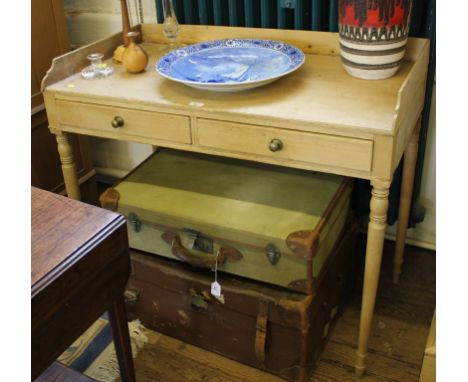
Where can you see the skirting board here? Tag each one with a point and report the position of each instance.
(111, 173)
(416, 242)
(422, 236)
(409, 240)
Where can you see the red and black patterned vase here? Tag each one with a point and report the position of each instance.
(373, 36)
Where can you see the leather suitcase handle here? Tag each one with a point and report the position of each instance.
(195, 260)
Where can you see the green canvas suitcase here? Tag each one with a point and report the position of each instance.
(266, 223)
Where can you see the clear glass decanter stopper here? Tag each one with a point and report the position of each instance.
(97, 69)
(170, 24)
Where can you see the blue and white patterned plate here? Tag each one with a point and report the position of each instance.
(230, 64)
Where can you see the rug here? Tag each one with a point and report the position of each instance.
(93, 354)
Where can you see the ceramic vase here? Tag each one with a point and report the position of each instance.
(134, 58)
(373, 36)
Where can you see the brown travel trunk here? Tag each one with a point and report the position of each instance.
(264, 326)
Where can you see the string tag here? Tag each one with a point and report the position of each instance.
(215, 285)
(215, 289)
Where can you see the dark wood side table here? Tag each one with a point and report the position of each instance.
(79, 268)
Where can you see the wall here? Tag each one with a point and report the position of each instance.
(89, 20)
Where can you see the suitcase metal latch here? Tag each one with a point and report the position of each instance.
(199, 242)
(273, 253)
(198, 301)
(134, 221)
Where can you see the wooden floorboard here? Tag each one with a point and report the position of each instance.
(396, 347)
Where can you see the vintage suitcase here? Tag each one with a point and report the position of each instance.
(263, 222)
(264, 326)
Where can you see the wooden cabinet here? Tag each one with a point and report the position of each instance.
(49, 39)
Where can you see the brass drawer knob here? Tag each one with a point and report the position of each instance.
(117, 122)
(276, 145)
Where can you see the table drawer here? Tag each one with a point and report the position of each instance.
(344, 152)
(124, 122)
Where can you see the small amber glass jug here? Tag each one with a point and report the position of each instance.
(134, 58)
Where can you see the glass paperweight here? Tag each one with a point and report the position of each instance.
(97, 69)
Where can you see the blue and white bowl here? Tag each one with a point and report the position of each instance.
(230, 64)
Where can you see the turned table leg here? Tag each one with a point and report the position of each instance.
(70, 175)
(409, 166)
(121, 337)
(375, 241)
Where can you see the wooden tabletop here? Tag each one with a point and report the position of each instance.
(319, 96)
(327, 120)
(60, 236)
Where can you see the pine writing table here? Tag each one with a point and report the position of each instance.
(326, 120)
(80, 263)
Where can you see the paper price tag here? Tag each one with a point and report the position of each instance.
(215, 289)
